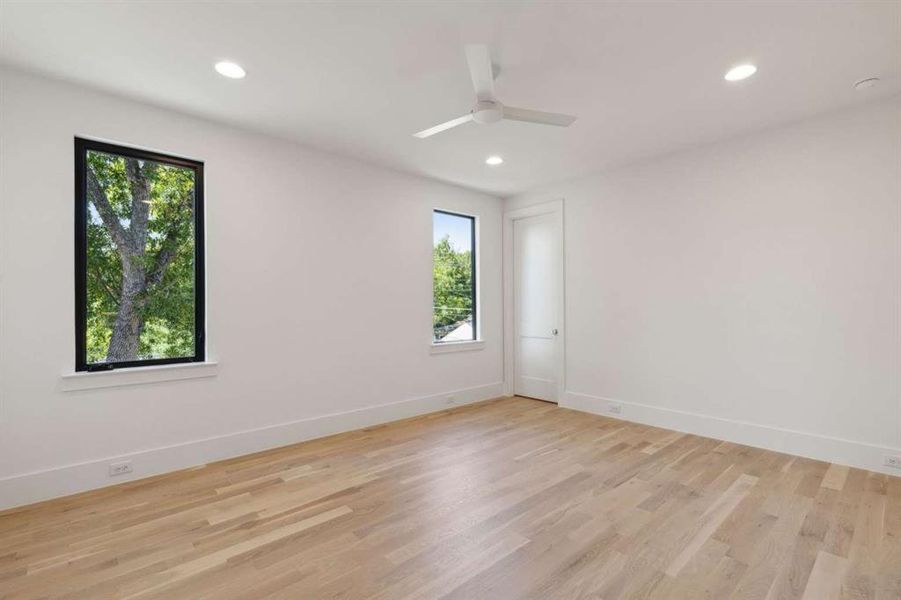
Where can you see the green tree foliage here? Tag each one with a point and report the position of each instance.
(156, 243)
(452, 286)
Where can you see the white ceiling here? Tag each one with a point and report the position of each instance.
(359, 78)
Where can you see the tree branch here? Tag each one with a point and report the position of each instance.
(107, 214)
(161, 264)
(140, 203)
(169, 246)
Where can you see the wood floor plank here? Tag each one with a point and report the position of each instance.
(825, 581)
(712, 519)
(506, 499)
(835, 477)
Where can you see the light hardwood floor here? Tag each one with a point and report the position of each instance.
(507, 499)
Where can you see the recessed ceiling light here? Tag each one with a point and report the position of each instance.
(865, 84)
(230, 70)
(740, 72)
(494, 160)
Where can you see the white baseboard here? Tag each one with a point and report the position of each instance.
(32, 487)
(800, 443)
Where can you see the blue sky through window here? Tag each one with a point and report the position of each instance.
(458, 228)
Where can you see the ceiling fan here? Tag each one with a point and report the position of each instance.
(488, 108)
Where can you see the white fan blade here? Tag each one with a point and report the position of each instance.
(479, 59)
(444, 126)
(537, 116)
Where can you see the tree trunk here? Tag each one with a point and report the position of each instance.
(126, 338)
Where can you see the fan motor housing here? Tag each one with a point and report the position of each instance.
(487, 111)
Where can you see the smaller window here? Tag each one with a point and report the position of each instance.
(454, 278)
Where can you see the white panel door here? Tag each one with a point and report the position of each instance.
(537, 299)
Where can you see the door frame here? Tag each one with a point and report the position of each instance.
(554, 207)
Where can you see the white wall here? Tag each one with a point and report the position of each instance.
(319, 297)
(746, 288)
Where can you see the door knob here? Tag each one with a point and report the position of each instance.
(554, 332)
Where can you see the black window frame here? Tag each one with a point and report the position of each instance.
(82, 147)
(475, 278)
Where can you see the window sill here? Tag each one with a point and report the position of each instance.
(445, 347)
(83, 380)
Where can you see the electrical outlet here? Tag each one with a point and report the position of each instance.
(615, 409)
(451, 399)
(893, 461)
(120, 468)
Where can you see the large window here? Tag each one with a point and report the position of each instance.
(138, 258)
(454, 278)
